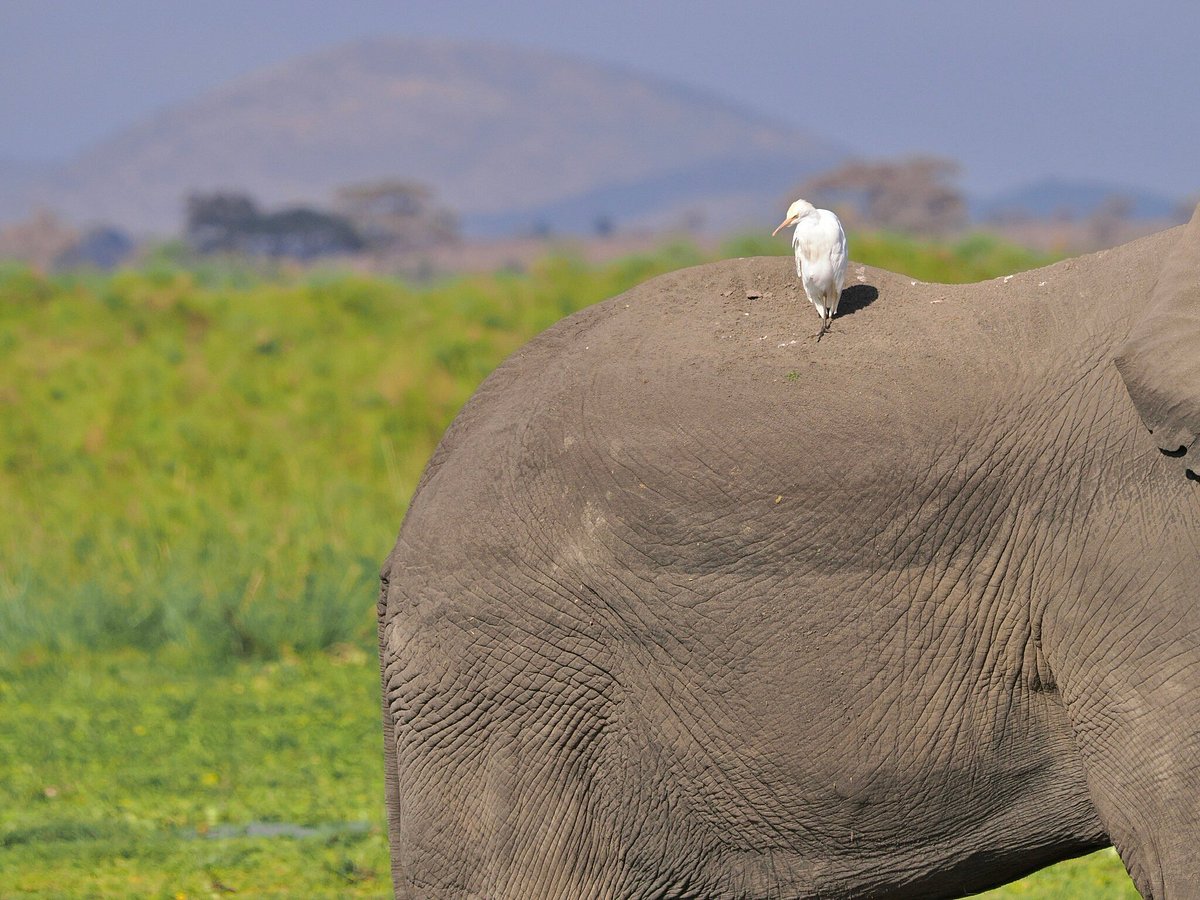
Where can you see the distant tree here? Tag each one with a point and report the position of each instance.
(215, 222)
(602, 226)
(224, 209)
(101, 247)
(1108, 221)
(395, 216)
(233, 223)
(694, 220)
(303, 233)
(910, 195)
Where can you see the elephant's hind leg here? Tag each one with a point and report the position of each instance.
(1135, 711)
(499, 783)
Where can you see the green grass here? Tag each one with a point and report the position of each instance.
(126, 774)
(1100, 876)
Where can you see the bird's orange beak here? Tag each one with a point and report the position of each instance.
(784, 224)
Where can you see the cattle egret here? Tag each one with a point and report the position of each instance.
(820, 245)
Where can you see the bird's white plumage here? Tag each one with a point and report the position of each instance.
(820, 245)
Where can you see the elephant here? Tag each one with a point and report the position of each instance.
(688, 605)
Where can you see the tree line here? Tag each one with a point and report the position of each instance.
(380, 218)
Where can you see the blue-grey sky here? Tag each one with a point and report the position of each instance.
(1014, 90)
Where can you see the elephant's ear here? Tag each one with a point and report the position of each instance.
(1160, 360)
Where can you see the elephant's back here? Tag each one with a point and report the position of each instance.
(732, 345)
(708, 383)
(743, 328)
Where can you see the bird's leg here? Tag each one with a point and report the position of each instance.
(826, 320)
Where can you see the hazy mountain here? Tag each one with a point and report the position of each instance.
(17, 177)
(1074, 199)
(510, 138)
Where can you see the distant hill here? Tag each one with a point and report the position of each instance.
(510, 138)
(1076, 199)
(16, 178)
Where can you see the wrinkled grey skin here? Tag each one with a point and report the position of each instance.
(677, 611)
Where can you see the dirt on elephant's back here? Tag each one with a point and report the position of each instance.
(751, 315)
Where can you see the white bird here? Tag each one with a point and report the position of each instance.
(820, 245)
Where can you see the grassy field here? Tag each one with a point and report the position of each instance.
(202, 469)
(126, 775)
(132, 775)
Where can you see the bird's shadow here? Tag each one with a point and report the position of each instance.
(856, 297)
